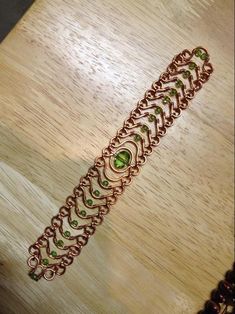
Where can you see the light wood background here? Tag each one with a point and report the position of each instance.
(70, 73)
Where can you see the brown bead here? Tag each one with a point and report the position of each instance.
(230, 276)
(225, 288)
(211, 307)
(217, 297)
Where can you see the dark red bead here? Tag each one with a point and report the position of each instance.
(233, 296)
(225, 288)
(233, 312)
(211, 307)
(217, 297)
(230, 276)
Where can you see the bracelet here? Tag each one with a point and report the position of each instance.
(222, 299)
(99, 189)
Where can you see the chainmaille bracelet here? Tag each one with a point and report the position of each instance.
(99, 189)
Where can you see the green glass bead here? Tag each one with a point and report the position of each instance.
(204, 56)
(96, 193)
(198, 52)
(137, 138)
(151, 118)
(145, 128)
(82, 213)
(179, 84)
(53, 253)
(105, 183)
(67, 234)
(192, 66)
(119, 164)
(172, 92)
(122, 159)
(186, 74)
(89, 202)
(74, 223)
(33, 276)
(60, 243)
(166, 100)
(158, 110)
(45, 261)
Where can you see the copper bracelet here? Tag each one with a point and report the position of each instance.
(99, 189)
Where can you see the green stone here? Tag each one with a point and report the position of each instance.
(89, 202)
(60, 243)
(158, 110)
(166, 100)
(74, 223)
(45, 261)
(82, 213)
(105, 183)
(137, 138)
(186, 74)
(173, 92)
(198, 52)
(145, 128)
(151, 118)
(192, 66)
(96, 193)
(33, 276)
(53, 253)
(204, 56)
(67, 234)
(122, 159)
(179, 84)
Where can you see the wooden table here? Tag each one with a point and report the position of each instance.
(70, 73)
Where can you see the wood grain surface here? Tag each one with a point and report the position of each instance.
(70, 73)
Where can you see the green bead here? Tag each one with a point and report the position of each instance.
(198, 52)
(122, 159)
(45, 261)
(105, 183)
(204, 56)
(96, 193)
(151, 118)
(60, 243)
(67, 234)
(173, 92)
(186, 74)
(89, 202)
(82, 213)
(179, 84)
(145, 128)
(166, 100)
(33, 276)
(137, 138)
(158, 110)
(53, 253)
(74, 223)
(192, 66)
